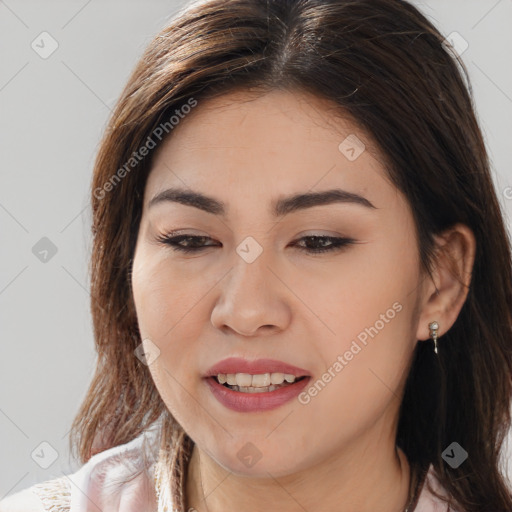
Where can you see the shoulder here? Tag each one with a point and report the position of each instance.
(109, 481)
(121, 478)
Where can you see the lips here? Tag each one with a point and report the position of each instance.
(254, 402)
(258, 366)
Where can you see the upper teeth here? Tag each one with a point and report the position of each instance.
(256, 381)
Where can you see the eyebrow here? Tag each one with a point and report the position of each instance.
(279, 207)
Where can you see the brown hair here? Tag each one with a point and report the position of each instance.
(382, 63)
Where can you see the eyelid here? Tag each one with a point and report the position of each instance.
(321, 233)
(307, 233)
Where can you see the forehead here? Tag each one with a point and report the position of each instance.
(263, 143)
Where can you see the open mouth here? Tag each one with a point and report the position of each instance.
(259, 389)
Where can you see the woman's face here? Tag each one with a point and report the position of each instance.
(348, 317)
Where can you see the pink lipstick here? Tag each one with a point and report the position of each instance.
(251, 400)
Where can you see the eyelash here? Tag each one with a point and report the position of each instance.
(336, 243)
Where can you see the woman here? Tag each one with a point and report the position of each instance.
(301, 280)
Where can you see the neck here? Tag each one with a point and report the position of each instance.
(361, 479)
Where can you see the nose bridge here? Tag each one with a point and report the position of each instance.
(249, 296)
(250, 273)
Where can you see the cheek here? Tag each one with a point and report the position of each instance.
(368, 299)
(352, 294)
(370, 308)
(165, 297)
(167, 315)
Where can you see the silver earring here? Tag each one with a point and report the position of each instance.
(433, 327)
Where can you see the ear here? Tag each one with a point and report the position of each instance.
(444, 294)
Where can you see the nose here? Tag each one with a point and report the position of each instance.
(253, 301)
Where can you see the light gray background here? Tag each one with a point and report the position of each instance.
(52, 114)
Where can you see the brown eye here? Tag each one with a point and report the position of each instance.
(319, 244)
(313, 244)
(192, 242)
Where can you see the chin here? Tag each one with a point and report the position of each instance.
(252, 462)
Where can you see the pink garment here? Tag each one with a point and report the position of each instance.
(97, 486)
(427, 502)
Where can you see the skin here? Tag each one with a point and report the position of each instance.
(338, 451)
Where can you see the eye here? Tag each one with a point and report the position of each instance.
(193, 243)
(327, 243)
(176, 242)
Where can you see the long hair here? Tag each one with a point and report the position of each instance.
(382, 63)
